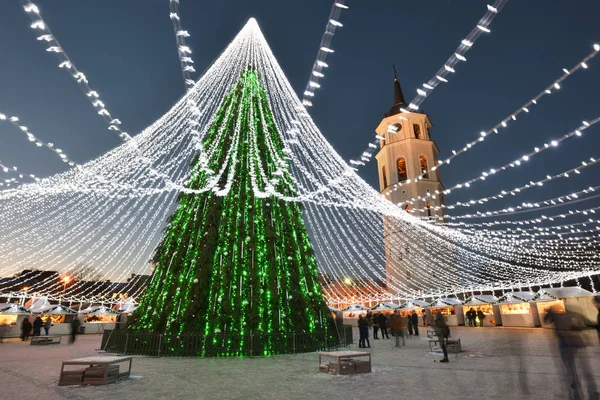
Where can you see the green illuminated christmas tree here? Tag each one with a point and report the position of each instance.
(239, 265)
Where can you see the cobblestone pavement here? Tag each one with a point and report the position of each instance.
(496, 363)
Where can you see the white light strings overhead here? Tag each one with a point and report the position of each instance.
(441, 76)
(325, 48)
(105, 218)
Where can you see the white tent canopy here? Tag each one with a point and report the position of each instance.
(481, 299)
(35, 304)
(518, 297)
(412, 304)
(385, 307)
(355, 308)
(99, 310)
(445, 302)
(562, 293)
(13, 308)
(126, 306)
(56, 309)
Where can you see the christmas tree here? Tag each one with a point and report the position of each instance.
(235, 262)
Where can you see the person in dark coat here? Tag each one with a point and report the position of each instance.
(25, 329)
(409, 325)
(47, 325)
(375, 326)
(74, 329)
(383, 325)
(442, 332)
(472, 317)
(363, 330)
(415, 322)
(481, 317)
(37, 326)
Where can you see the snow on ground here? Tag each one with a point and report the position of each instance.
(488, 368)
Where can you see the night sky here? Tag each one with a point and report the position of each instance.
(127, 50)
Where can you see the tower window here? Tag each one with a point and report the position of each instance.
(383, 174)
(417, 129)
(428, 133)
(424, 169)
(402, 175)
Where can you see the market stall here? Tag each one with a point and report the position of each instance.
(446, 307)
(60, 316)
(573, 300)
(518, 309)
(386, 308)
(11, 315)
(418, 306)
(98, 318)
(486, 304)
(352, 312)
(126, 306)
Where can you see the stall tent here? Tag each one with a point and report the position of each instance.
(574, 300)
(98, 318)
(447, 307)
(414, 305)
(487, 304)
(11, 316)
(352, 312)
(519, 309)
(60, 315)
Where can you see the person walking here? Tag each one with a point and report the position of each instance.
(398, 325)
(442, 332)
(409, 325)
(363, 330)
(47, 325)
(468, 318)
(383, 325)
(375, 326)
(74, 329)
(25, 329)
(481, 317)
(37, 326)
(415, 321)
(424, 317)
(569, 343)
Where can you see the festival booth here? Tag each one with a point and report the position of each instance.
(487, 304)
(573, 300)
(60, 315)
(352, 312)
(518, 309)
(11, 315)
(447, 307)
(414, 305)
(98, 318)
(385, 308)
(125, 307)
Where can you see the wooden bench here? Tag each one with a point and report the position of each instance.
(452, 345)
(431, 334)
(100, 371)
(42, 340)
(344, 363)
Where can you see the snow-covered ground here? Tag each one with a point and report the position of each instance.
(488, 368)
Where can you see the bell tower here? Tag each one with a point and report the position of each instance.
(405, 160)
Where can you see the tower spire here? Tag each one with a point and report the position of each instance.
(398, 95)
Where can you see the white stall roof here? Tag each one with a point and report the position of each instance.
(99, 310)
(355, 308)
(385, 306)
(482, 299)
(518, 297)
(35, 304)
(410, 305)
(126, 306)
(562, 293)
(56, 309)
(12, 308)
(445, 302)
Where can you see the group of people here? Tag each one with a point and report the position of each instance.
(400, 327)
(35, 329)
(472, 316)
(38, 324)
